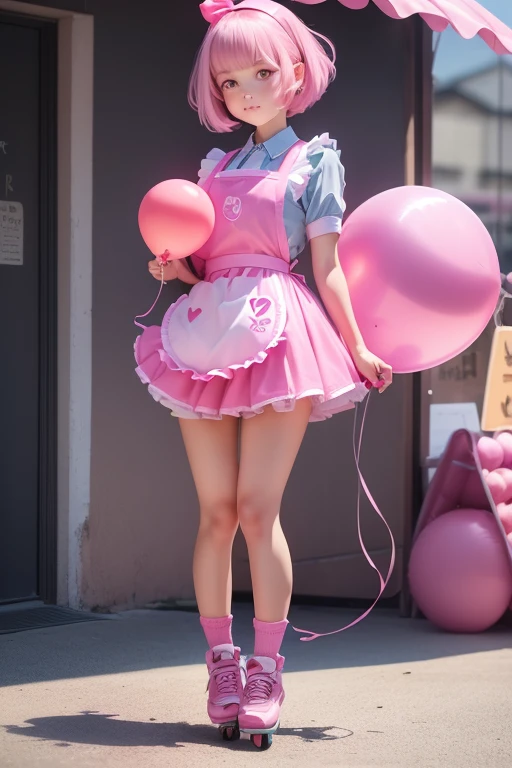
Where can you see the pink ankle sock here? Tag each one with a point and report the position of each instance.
(217, 631)
(269, 636)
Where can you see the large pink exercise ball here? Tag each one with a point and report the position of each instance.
(176, 217)
(423, 275)
(460, 571)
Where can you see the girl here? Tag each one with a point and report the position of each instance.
(251, 348)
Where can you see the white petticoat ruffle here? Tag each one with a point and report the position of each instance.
(300, 172)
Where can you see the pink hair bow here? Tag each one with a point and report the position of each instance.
(214, 10)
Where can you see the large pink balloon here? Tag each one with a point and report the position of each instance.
(176, 216)
(423, 275)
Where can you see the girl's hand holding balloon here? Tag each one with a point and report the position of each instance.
(177, 268)
(378, 373)
(167, 271)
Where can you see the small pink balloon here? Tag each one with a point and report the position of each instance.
(505, 515)
(423, 275)
(505, 440)
(176, 218)
(497, 486)
(490, 453)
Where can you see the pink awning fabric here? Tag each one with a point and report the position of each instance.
(467, 17)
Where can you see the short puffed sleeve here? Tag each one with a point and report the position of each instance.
(318, 181)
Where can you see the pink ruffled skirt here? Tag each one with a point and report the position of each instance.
(309, 359)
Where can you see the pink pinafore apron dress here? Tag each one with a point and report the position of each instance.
(251, 333)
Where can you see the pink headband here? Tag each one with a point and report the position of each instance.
(214, 10)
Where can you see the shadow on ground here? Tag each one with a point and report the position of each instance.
(99, 729)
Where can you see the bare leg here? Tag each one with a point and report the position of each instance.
(212, 450)
(270, 443)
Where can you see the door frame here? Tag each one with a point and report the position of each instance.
(73, 294)
(418, 171)
(47, 342)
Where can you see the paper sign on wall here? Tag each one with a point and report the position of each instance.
(497, 408)
(11, 232)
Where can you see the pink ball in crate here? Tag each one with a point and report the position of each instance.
(505, 440)
(505, 515)
(490, 452)
(506, 475)
(497, 486)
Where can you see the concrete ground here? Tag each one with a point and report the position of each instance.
(130, 691)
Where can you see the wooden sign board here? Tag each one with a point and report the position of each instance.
(497, 408)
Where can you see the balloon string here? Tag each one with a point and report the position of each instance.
(140, 325)
(383, 583)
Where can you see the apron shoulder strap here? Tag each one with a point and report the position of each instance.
(220, 166)
(291, 156)
(288, 163)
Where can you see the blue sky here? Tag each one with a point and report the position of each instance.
(456, 56)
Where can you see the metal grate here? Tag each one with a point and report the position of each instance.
(46, 616)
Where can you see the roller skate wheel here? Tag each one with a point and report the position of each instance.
(262, 740)
(230, 732)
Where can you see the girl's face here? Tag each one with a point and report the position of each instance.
(249, 93)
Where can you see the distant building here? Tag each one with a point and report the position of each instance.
(472, 148)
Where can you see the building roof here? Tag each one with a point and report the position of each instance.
(486, 87)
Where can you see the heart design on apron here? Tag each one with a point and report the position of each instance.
(260, 306)
(234, 323)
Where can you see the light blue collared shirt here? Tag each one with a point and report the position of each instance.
(268, 155)
(320, 206)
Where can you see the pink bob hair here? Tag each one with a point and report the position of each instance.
(241, 39)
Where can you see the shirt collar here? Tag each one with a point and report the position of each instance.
(277, 144)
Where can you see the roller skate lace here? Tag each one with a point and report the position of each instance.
(258, 689)
(225, 676)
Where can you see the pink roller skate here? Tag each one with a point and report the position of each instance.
(263, 696)
(226, 668)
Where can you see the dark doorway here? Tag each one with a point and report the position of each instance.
(28, 302)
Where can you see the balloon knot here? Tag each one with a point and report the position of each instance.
(164, 258)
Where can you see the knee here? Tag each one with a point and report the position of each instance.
(219, 518)
(256, 515)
